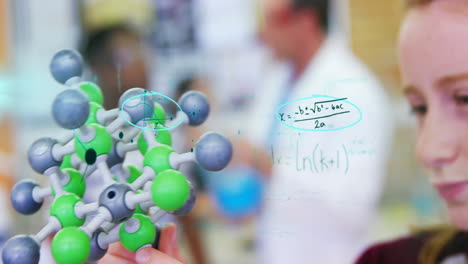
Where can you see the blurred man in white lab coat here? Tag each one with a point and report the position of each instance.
(324, 185)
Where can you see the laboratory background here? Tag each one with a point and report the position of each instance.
(213, 46)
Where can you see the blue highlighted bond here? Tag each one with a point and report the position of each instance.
(148, 128)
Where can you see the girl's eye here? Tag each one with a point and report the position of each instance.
(461, 99)
(419, 109)
(417, 103)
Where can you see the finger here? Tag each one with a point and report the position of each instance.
(45, 250)
(117, 249)
(155, 244)
(113, 259)
(168, 241)
(151, 256)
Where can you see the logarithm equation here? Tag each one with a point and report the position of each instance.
(318, 159)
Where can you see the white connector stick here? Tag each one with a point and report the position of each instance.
(147, 175)
(104, 170)
(123, 148)
(105, 239)
(86, 170)
(64, 177)
(117, 123)
(155, 217)
(86, 134)
(120, 172)
(175, 159)
(39, 194)
(150, 138)
(55, 181)
(105, 116)
(145, 206)
(75, 161)
(109, 226)
(66, 138)
(73, 81)
(133, 199)
(59, 151)
(181, 117)
(103, 216)
(132, 132)
(52, 226)
(82, 209)
(147, 186)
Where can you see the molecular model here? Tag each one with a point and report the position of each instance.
(130, 200)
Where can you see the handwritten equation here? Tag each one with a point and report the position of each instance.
(318, 160)
(319, 113)
(317, 108)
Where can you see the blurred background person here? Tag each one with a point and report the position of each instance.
(316, 60)
(117, 61)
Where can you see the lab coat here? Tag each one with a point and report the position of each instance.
(315, 210)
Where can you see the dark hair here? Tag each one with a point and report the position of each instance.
(95, 43)
(412, 3)
(185, 85)
(319, 6)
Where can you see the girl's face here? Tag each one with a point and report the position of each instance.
(433, 51)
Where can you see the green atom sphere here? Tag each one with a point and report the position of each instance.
(63, 208)
(159, 115)
(163, 137)
(157, 158)
(144, 235)
(71, 245)
(99, 145)
(76, 184)
(170, 190)
(93, 109)
(134, 173)
(92, 91)
(66, 162)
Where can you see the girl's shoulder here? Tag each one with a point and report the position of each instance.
(439, 245)
(402, 250)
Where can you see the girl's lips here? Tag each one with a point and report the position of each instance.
(450, 191)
